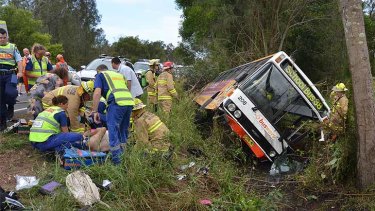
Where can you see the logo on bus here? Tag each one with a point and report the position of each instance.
(265, 126)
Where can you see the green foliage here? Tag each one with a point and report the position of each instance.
(135, 48)
(23, 29)
(11, 142)
(73, 24)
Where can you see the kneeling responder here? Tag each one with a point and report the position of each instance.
(77, 96)
(150, 132)
(50, 129)
(339, 110)
(165, 88)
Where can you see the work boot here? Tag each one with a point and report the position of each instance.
(10, 112)
(3, 125)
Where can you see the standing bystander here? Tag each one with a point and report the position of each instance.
(61, 63)
(132, 80)
(37, 65)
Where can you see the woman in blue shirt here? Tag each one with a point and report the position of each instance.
(50, 129)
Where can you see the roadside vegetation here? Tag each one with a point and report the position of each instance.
(222, 172)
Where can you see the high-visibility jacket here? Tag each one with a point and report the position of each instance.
(7, 54)
(74, 99)
(338, 113)
(117, 86)
(37, 69)
(165, 86)
(151, 132)
(45, 125)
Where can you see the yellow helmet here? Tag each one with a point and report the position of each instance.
(138, 104)
(88, 86)
(153, 62)
(340, 87)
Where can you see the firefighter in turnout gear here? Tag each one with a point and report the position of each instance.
(77, 95)
(151, 80)
(165, 88)
(150, 132)
(338, 116)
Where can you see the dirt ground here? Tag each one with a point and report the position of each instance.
(22, 162)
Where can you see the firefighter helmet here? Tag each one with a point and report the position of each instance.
(88, 86)
(340, 87)
(168, 65)
(138, 104)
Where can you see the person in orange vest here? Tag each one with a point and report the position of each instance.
(26, 55)
(165, 88)
(37, 65)
(62, 63)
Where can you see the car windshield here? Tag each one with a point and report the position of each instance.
(276, 98)
(140, 66)
(94, 64)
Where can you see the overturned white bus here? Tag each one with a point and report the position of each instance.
(266, 103)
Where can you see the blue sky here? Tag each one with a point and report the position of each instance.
(149, 19)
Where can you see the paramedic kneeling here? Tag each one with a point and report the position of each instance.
(50, 128)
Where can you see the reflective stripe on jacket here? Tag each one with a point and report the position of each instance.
(165, 86)
(117, 86)
(45, 125)
(339, 113)
(150, 78)
(151, 132)
(37, 69)
(7, 54)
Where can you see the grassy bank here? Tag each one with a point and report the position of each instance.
(149, 182)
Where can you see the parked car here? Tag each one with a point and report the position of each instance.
(88, 72)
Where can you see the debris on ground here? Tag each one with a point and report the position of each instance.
(205, 202)
(83, 189)
(49, 188)
(26, 182)
(184, 167)
(181, 177)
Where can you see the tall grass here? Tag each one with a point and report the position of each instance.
(145, 182)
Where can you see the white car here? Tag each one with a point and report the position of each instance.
(89, 72)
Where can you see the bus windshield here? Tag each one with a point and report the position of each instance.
(276, 98)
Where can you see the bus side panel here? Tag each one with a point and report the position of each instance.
(245, 138)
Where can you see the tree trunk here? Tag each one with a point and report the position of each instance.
(352, 17)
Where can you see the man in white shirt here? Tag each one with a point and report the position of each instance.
(133, 84)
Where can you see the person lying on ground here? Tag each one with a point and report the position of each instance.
(97, 139)
(50, 132)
